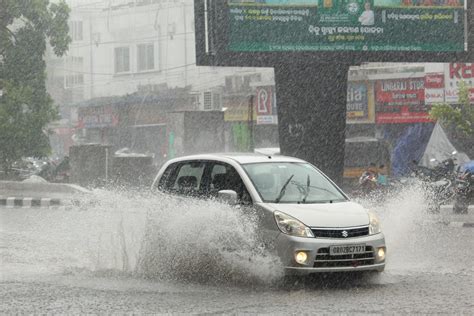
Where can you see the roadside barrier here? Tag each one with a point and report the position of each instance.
(449, 218)
(26, 202)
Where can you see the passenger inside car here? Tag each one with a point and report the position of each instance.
(187, 184)
(229, 180)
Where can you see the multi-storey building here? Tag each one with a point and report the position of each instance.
(121, 46)
(133, 47)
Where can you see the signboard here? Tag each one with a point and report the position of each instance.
(237, 111)
(360, 103)
(346, 25)
(97, 117)
(434, 88)
(401, 101)
(265, 105)
(454, 74)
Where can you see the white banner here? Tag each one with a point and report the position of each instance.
(267, 119)
(433, 96)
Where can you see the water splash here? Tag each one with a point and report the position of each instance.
(128, 233)
(131, 234)
(204, 241)
(415, 238)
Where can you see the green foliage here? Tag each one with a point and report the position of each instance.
(462, 117)
(25, 107)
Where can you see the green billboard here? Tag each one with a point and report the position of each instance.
(347, 25)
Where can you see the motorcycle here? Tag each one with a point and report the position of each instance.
(464, 193)
(368, 182)
(438, 182)
(370, 188)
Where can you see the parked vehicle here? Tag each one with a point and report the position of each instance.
(464, 188)
(360, 152)
(438, 182)
(304, 217)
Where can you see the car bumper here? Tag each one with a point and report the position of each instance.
(319, 259)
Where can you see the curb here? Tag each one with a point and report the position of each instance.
(450, 224)
(16, 202)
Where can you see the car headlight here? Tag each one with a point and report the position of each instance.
(374, 224)
(291, 226)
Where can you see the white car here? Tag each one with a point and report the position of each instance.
(304, 217)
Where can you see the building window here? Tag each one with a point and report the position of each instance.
(145, 57)
(74, 80)
(74, 61)
(122, 59)
(75, 29)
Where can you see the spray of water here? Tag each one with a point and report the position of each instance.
(127, 233)
(204, 241)
(167, 237)
(415, 238)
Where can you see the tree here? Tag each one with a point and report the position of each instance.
(458, 121)
(460, 118)
(25, 106)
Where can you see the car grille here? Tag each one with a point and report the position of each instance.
(324, 260)
(339, 233)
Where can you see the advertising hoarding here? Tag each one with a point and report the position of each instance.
(97, 117)
(454, 74)
(401, 101)
(265, 106)
(360, 103)
(238, 112)
(434, 88)
(346, 25)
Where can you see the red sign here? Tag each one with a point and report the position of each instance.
(401, 91)
(265, 106)
(461, 71)
(455, 73)
(401, 101)
(434, 81)
(264, 100)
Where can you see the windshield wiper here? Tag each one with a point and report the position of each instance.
(308, 185)
(283, 189)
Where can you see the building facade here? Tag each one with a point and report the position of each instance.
(138, 48)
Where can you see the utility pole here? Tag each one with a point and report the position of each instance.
(250, 122)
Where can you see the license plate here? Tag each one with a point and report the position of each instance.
(346, 250)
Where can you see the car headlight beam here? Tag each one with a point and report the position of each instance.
(291, 226)
(374, 224)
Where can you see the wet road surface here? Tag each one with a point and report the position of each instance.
(84, 261)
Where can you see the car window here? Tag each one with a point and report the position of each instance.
(224, 177)
(165, 177)
(186, 178)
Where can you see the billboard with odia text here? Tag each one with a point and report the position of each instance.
(347, 25)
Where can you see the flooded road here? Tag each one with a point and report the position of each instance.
(139, 254)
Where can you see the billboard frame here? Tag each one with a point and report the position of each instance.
(211, 45)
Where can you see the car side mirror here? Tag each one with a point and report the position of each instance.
(227, 196)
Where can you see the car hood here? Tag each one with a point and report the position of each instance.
(340, 214)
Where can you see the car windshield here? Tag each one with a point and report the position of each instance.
(292, 182)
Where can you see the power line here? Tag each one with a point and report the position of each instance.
(117, 8)
(156, 38)
(114, 74)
